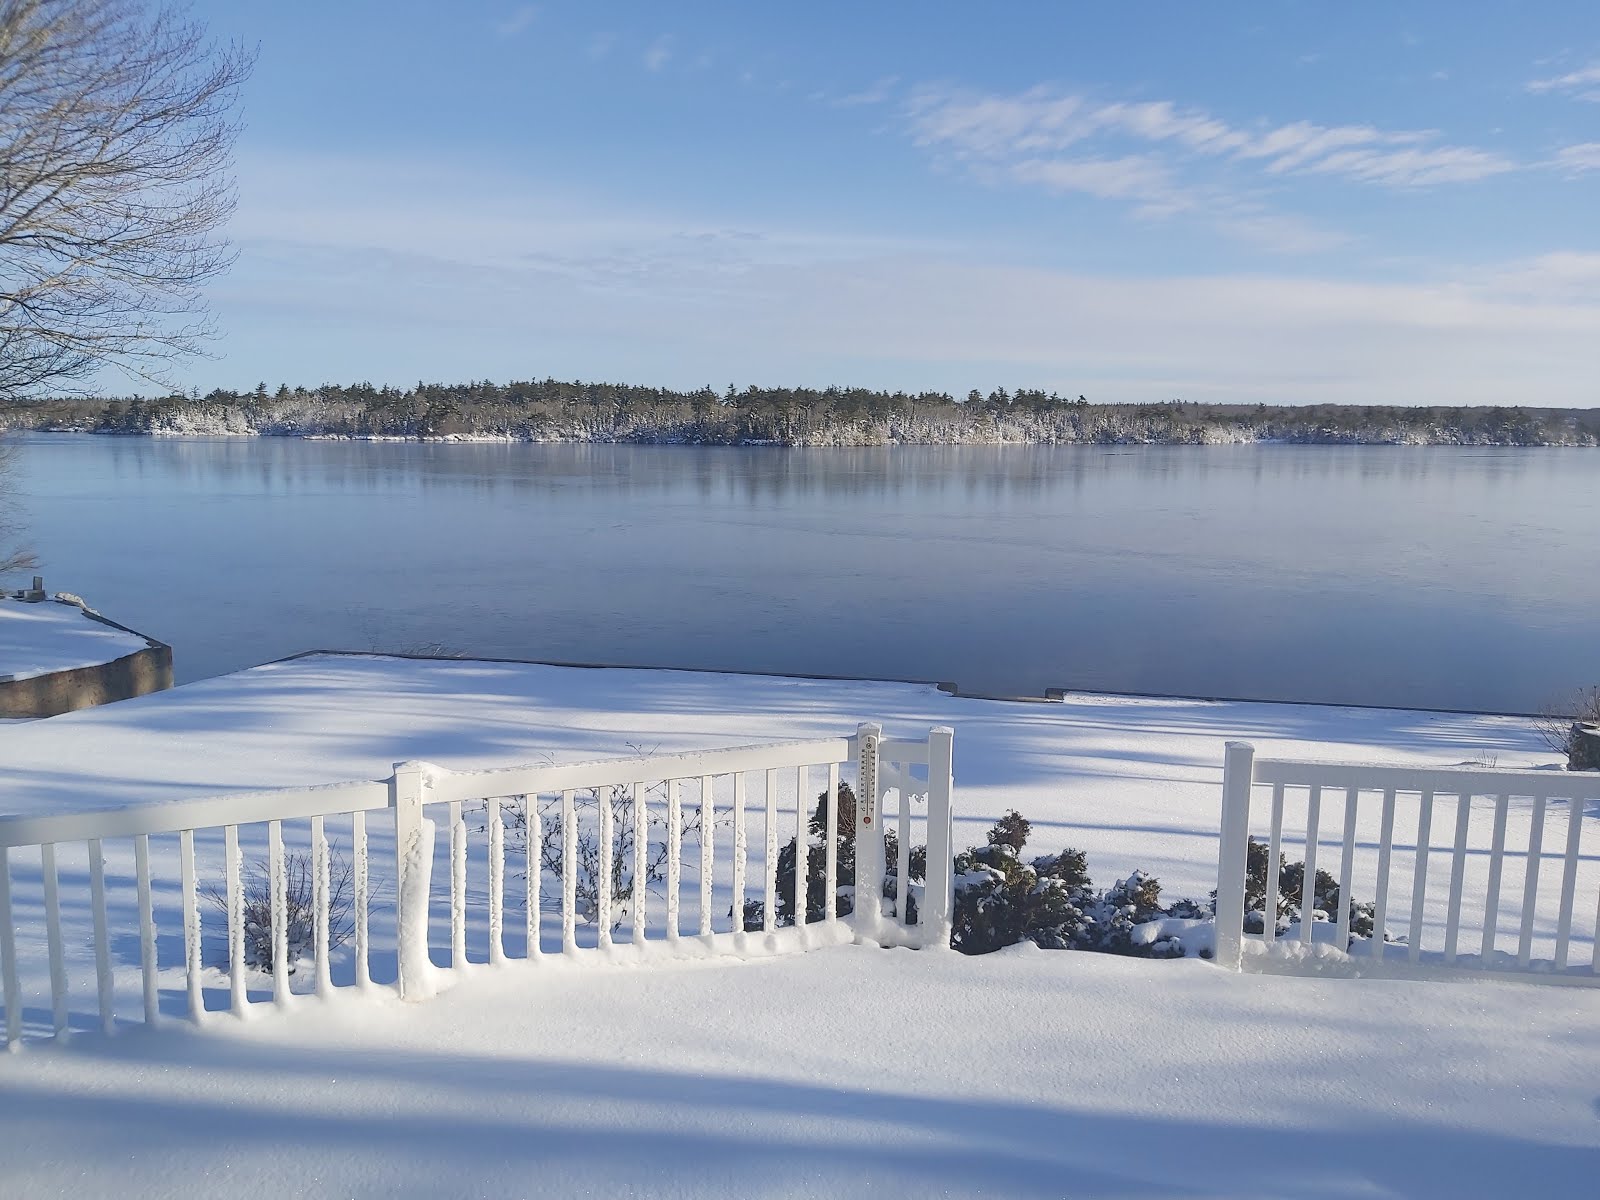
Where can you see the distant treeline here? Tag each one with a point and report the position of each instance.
(553, 411)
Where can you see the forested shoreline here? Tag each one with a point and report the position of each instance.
(555, 411)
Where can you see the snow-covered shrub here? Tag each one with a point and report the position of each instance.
(299, 877)
(1001, 900)
(1325, 896)
(1011, 830)
(845, 868)
(1121, 909)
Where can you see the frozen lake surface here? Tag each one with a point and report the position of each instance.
(1425, 577)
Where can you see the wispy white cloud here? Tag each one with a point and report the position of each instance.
(601, 44)
(1165, 160)
(1040, 120)
(1575, 159)
(517, 21)
(659, 52)
(1133, 176)
(1412, 167)
(1565, 275)
(1582, 84)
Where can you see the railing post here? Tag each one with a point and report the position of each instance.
(935, 919)
(1238, 776)
(413, 850)
(868, 835)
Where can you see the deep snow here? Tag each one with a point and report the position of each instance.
(847, 1071)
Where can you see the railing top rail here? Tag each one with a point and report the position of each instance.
(444, 785)
(206, 812)
(1474, 781)
(531, 780)
(903, 750)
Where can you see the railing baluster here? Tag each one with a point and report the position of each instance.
(1530, 883)
(497, 885)
(280, 913)
(191, 926)
(319, 904)
(358, 851)
(104, 983)
(1491, 906)
(802, 834)
(147, 928)
(604, 876)
(52, 918)
(902, 858)
(769, 903)
(1419, 880)
(234, 871)
(532, 866)
(708, 842)
(569, 873)
(1380, 903)
(11, 985)
(1308, 881)
(1347, 866)
(458, 886)
(1569, 883)
(1594, 957)
(638, 889)
(741, 852)
(1458, 866)
(674, 864)
(830, 849)
(1269, 909)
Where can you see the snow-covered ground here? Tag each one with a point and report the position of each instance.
(40, 638)
(847, 1071)
(1133, 781)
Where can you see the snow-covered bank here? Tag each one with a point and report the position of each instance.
(45, 637)
(844, 1072)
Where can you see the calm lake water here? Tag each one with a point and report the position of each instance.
(1435, 577)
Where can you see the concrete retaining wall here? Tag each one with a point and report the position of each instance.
(137, 674)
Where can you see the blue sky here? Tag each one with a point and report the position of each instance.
(1295, 202)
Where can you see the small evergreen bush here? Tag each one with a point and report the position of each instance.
(1325, 896)
(845, 879)
(1001, 900)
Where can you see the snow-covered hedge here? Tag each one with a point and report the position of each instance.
(1003, 898)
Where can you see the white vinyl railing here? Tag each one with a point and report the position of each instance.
(1465, 867)
(918, 776)
(606, 838)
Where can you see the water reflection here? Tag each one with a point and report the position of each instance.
(1432, 576)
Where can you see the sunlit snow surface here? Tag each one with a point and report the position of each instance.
(843, 1071)
(36, 639)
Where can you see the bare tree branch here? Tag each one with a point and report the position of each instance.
(116, 130)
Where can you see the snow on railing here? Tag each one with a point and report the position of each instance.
(605, 835)
(918, 776)
(1493, 829)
